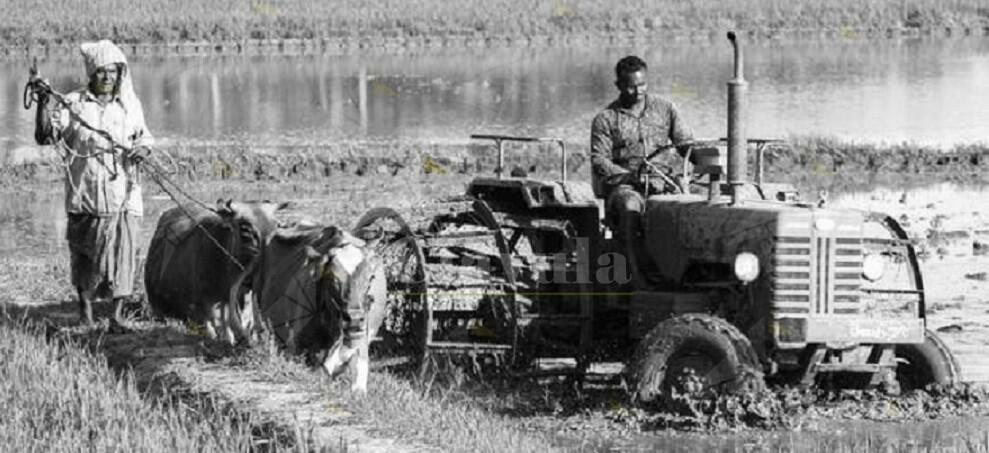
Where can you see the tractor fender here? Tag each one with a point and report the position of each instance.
(930, 362)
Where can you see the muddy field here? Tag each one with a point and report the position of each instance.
(953, 229)
(945, 219)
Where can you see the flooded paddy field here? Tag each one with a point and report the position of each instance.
(337, 137)
(854, 89)
(944, 219)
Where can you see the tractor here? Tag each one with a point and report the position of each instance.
(731, 283)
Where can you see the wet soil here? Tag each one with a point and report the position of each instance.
(951, 228)
(951, 231)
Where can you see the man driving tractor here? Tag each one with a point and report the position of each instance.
(628, 130)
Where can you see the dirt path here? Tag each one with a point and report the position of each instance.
(166, 357)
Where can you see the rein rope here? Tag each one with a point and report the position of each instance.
(37, 90)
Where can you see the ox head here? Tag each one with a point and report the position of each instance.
(364, 299)
(250, 226)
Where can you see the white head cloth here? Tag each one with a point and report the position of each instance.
(105, 52)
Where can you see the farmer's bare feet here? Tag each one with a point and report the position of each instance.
(85, 308)
(118, 309)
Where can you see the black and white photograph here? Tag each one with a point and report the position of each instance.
(494, 226)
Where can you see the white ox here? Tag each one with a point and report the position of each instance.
(319, 291)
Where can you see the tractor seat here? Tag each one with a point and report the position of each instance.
(534, 192)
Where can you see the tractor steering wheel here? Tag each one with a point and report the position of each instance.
(679, 183)
(649, 172)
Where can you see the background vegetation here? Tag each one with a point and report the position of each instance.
(440, 169)
(28, 22)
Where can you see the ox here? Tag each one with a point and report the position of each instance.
(196, 254)
(318, 290)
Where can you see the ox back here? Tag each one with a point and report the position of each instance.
(186, 274)
(305, 296)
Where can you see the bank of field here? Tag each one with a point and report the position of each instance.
(32, 22)
(59, 397)
(812, 163)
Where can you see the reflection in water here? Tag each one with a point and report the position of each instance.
(923, 90)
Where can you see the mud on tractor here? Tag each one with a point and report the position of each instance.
(731, 281)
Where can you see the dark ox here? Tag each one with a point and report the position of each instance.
(319, 291)
(196, 255)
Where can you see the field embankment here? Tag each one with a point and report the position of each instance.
(425, 23)
(57, 396)
(810, 163)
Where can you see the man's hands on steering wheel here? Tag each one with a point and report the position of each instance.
(669, 179)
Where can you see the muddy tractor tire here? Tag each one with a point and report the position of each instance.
(930, 362)
(689, 354)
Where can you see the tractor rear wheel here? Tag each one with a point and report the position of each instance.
(692, 354)
(930, 362)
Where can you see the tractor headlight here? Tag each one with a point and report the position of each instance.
(746, 266)
(873, 266)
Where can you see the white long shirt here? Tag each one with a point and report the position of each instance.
(90, 187)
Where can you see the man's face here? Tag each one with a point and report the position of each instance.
(632, 86)
(104, 79)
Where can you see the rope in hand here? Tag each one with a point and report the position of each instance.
(38, 91)
(159, 176)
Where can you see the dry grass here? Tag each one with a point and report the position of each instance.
(54, 21)
(395, 406)
(413, 410)
(56, 396)
(443, 416)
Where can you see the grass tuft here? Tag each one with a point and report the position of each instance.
(56, 396)
(380, 21)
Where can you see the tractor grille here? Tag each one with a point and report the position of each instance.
(816, 275)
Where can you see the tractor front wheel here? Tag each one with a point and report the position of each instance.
(930, 362)
(692, 354)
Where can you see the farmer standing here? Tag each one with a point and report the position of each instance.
(102, 193)
(630, 128)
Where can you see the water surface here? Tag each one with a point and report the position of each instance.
(924, 90)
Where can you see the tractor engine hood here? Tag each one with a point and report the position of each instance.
(700, 232)
(826, 275)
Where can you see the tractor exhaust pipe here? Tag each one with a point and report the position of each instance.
(737, 151)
